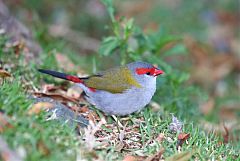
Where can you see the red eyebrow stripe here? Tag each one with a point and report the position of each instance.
(141, 71)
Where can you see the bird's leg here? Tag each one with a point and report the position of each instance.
(121, 129)
(119, 124)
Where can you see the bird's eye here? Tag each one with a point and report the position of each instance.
(148, 73)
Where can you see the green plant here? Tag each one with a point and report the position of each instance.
(132, 44)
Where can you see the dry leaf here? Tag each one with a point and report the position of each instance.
(208, 106)
(56, 96)
(155, 106)
(4, 73)
(119, 146)
(49, 88)
(182, 137)
(132, 158)
(89, 135)
(92, 116)
(4, 123)
(218, 128)
(226, 135)
(83, 109)
(157, 156)
(222, 130)
(160, 137)
(43, 148)
(183, 156)
(208, 67)
(17, 46)
(229, 111)
(74, 92)
(40, 106)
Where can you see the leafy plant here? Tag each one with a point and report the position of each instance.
(132, 44)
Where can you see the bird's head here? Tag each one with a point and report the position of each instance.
(144, 73)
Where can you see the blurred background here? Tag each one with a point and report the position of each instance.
(208, 49)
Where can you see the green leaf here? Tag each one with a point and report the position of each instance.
(108, 45)
(129, 24)
(159, 39)
(110, 9)
(154, 59)
(183, 77)
(176, 50)
(134, 56)
(128, 29)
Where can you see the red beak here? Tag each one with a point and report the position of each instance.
(157, 72)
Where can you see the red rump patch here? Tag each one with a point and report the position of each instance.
(78, 80)
(92, 89)
(74, 79)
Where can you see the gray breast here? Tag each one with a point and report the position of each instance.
(125, 103)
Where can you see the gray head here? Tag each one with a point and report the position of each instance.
(144, 73)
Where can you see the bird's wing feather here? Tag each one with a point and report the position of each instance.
(116, 80)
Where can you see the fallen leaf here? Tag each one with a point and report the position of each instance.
(119, 146)
(17, 46)
(4, 73)
(208, 106)
(43, 148)
(133, 158)
(4, 123)
(229, 111)
(182, 137)
(225, 131)
(160, 137)
(129, 158)
(207, 63)
(183, 156)
(56, 96)
(91, 117)
(74, 92)
(40, 106)
(157, 156)
(83, 109)
(49, 88)
(155, 106)
(218, 128)
(84, 153)
(226, 135)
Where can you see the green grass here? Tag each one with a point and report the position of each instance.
(60, 142)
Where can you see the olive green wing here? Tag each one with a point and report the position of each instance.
(115, 80)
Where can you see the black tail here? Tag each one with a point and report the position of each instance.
(61, 75)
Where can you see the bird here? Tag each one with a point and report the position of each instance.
(117, 91)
